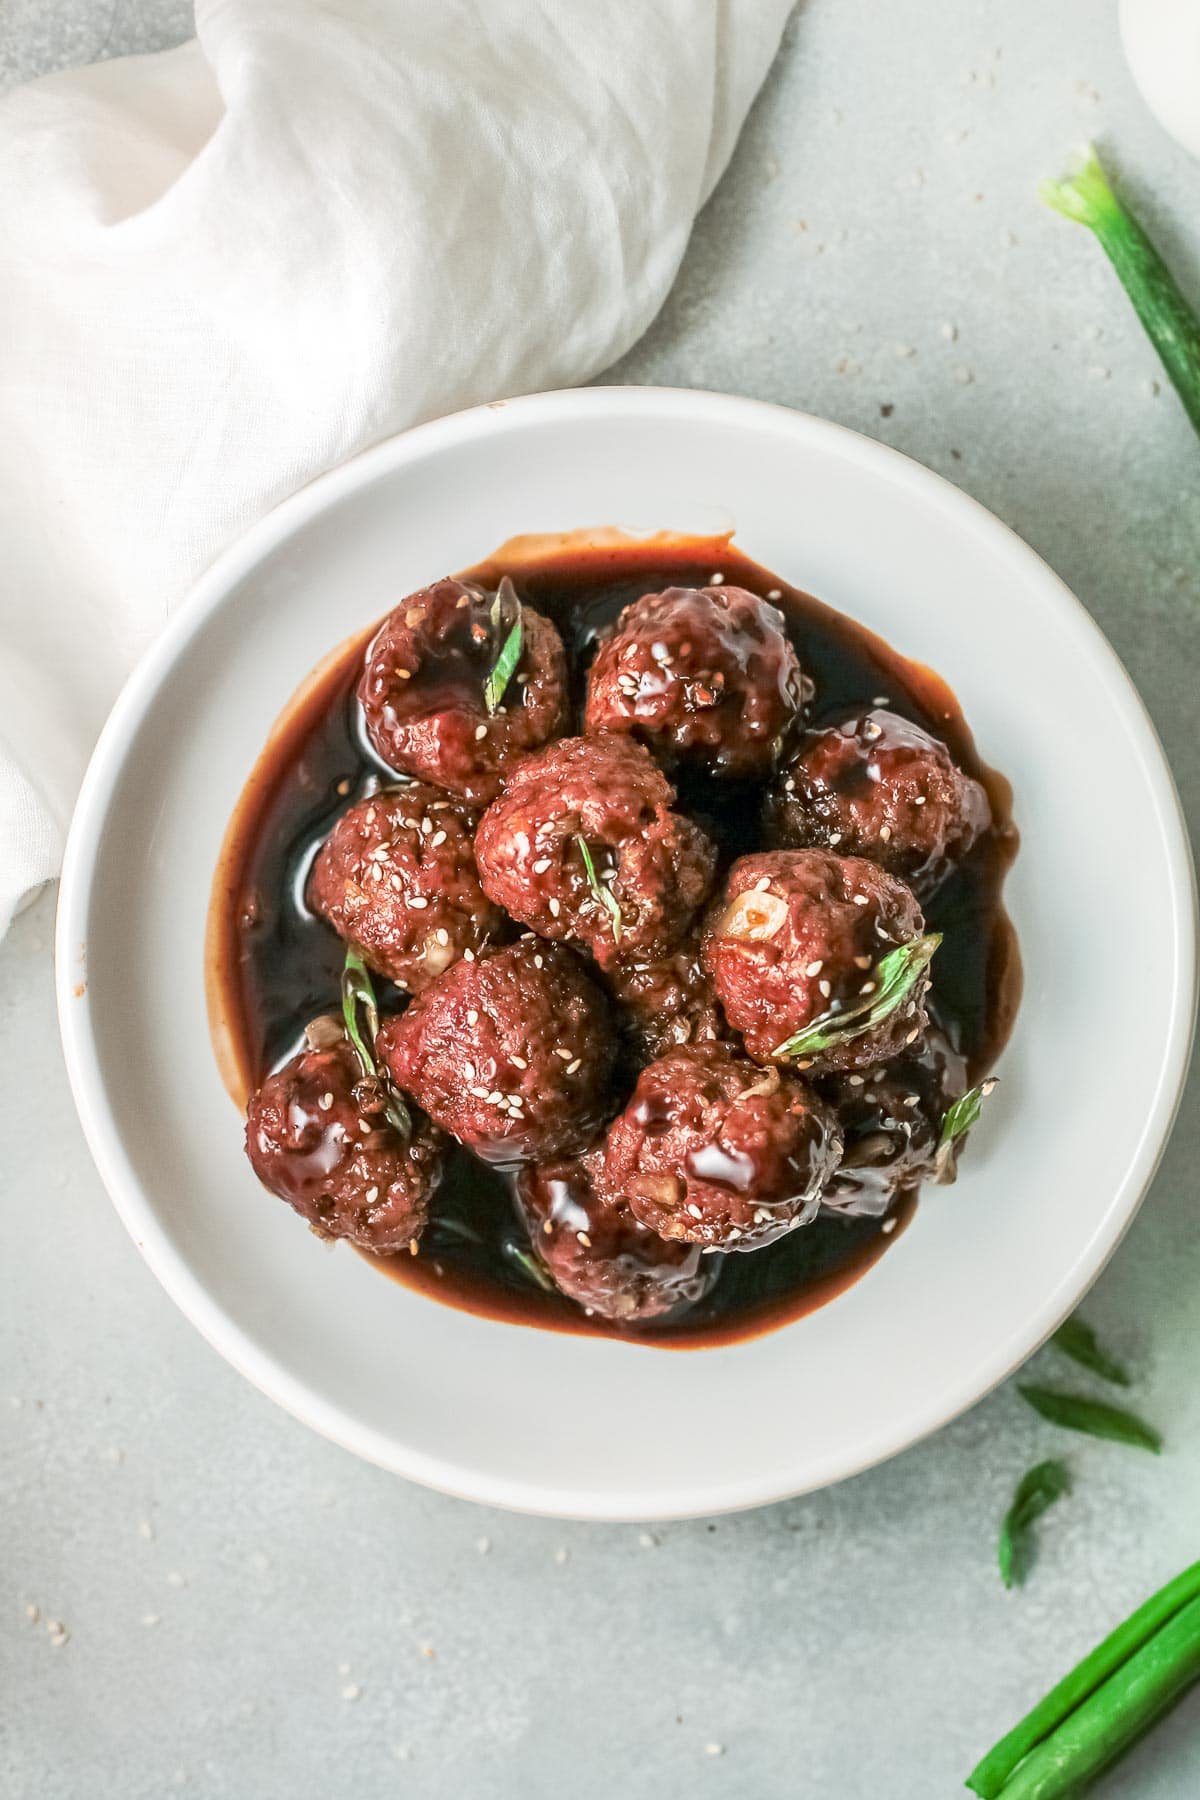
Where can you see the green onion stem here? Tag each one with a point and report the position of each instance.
(1097, 1674)
(1169, 321)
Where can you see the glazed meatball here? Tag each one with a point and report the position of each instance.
(891, 1119)
(423, 688)
(583, 844)
(713, 1150)
(599, 1254)
(512, 1053)
(800, 935)
(699, 674)
(397, 877)
(665, 1003)
(316, 1136)
(879, 786)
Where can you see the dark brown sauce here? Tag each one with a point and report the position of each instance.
(272, 966)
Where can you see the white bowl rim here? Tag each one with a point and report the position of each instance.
(86, 831)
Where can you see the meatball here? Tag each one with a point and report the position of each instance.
(397, 877)
(699, 674)
(512, 1053)
(599, 1254)
(317, 1137)
(583, 844)
(424, 687)
(891, 1120)
(879, 786)
(667, 1002)
(799, 936)
(713, 1150)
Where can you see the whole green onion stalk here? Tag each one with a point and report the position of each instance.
(1170, 322)
(1104, 1704)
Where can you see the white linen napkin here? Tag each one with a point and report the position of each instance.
(226, 268)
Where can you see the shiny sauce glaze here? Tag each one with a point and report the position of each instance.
(273, 965)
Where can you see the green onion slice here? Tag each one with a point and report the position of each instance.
(359, 1007)
(1078, 1341)
(506, 606)
(1038, 1489)
(602, 892)
(1095, 1417)
(896, 975)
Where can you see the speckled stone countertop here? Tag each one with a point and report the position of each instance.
(200, 1595)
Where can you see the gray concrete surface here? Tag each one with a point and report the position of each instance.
(247, 1613)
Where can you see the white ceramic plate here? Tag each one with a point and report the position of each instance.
(596, 1428)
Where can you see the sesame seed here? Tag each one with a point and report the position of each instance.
(885, 832)
(774, 593)
(920, 800)
(574, 1066)
(442, 936)
(495, 1097)
(325, 1102)
(695, 1210)
(814, 968)
(543, 863)
(888, 1226)
(539, 962)
(835, 837)
(418, 901)
(912, 1037)
(412, 1248)
(856, 1080)
(565, 1054)
(404, 674)
(823, 987)
(762, 884)
(518, 1062)
(438, 838)
(472, 1017)
(862, 962)
(548, 1227)
(150, 1620)
(469, 1071)
(479, 1093)
(716, 578)
(396, 883)
(910, 1099)
(468, 956)
(881, 700)
(555, 906)
(859, 899)
(480, 733)
(584, 1239)
(660, 653)
(372, 1195)
(351, 1691)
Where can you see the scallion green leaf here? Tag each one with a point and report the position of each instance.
(958, 1120)
(1095, 1417)
(602, 892)
(895, 977)
(1045, 1483)
(358, 997)
(1169, 321)
(530, 1266)
(505, 607)
(1078, 1341)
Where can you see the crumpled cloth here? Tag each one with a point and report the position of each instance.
(228, 267)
